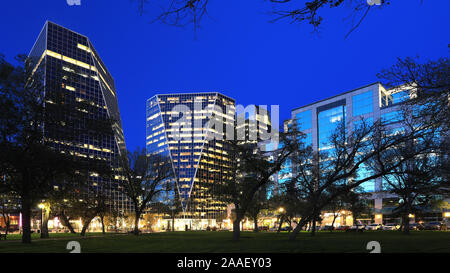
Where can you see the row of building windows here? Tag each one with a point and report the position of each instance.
(331, 115)
(362, 104)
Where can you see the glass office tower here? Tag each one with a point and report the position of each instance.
(198, 162)
(253, 125)
(72, 68)
(372, 102)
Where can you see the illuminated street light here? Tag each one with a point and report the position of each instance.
(42, 206)
(281, 210)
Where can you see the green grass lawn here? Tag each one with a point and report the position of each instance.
(265, 242)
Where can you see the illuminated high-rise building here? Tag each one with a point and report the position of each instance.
(178, 126)
(72, 68)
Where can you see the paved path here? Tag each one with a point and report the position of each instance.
(19, 240)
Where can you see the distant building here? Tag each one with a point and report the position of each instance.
(253, 125)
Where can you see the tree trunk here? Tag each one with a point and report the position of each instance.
(7, 224)
(137, 215)
(406, 222)
(313, 230)
(400, 229)
(279, 224)
(44, 228)
(173, 221)
(26, 220)
(300, 225)
(236, 228)
(65, 221)
(354, 218)
(103, 224)
(332, 223)
(83, 230)
(86, 223)
(255, 223)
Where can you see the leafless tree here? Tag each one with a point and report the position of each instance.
(320, 177)
(179, 12)
(429, 83)
(427, 173)
(310, 12)
(145, 178)
(415, 178)
(183, 12)
(252, 170)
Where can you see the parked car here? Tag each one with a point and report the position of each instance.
(391, 226)
(287, 228)
(433, 226)
(358, 228)
(327, 228)
(264, 228)
(416, 226)
(342, 228)
(309, 228)
(374, 227)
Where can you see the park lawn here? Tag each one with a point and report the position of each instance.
(263, 242)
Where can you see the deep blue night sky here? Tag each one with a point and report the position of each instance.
(236, 52)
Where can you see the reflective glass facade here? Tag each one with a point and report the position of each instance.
(400, 96)
(197, 161)
(319, 120)
(71, 67)
(393, 98)
(308, 139)
(391, 117)
(362, 103)
(364, 171)
(370, 103)
(304, 120)
(328, 120)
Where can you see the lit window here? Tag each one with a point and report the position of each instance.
(83, 47)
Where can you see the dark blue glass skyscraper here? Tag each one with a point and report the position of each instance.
(72, 68)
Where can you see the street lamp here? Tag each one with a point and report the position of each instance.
(281, 210)
(172, 209)
(42, 206)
